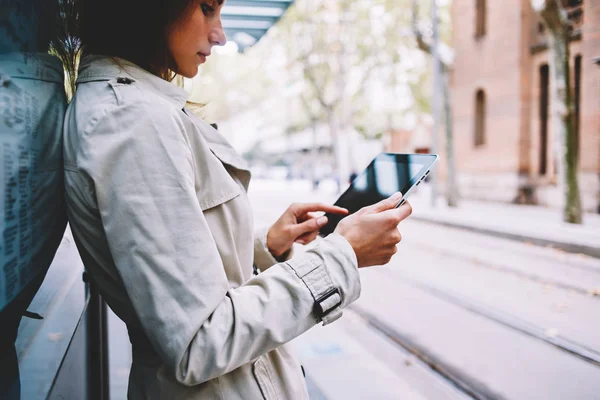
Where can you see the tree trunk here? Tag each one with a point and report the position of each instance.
(556, 19)
(452, 195)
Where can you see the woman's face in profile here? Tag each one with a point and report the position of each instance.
(192, 38)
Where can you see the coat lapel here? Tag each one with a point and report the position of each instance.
(221, 148)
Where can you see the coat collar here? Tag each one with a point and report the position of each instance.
(99, 68)
(103, 68)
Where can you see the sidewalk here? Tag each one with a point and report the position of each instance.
(537, 225)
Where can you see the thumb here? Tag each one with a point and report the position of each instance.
(311, 225)
(386, 204)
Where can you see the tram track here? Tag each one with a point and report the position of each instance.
(465, 383)
(527, 328)
(544, 280)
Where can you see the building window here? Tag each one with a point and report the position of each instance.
(544, 101)
(480, 18)
(479, 118)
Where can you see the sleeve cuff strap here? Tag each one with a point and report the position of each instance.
(316, 278)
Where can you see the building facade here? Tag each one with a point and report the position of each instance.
(501, 95)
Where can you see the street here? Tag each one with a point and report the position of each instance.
(454, 315)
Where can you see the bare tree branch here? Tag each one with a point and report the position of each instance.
(553, 14)
(308, 73)
(421, 43)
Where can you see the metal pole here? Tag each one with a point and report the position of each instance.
(342, 174)
(436, 97)
(97, 337)
(314, 154)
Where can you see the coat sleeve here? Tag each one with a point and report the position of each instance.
(263, 259)
(143, 172)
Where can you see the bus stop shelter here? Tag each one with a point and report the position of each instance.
(246, 21)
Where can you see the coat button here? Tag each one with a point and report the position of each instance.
(124, 81)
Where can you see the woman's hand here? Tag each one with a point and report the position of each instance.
(297, 224)
(373, 231)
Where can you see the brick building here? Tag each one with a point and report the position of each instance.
(500, 84)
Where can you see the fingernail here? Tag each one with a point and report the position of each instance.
(397, 196)
(322, 221)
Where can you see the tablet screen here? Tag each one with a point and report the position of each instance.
(387, 174)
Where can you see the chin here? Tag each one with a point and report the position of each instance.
(189, 72)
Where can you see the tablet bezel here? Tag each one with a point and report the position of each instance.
(428, 160)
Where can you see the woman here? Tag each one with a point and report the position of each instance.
(157, 203)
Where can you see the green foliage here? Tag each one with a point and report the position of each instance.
(355, 59)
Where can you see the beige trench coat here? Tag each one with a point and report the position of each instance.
(157, 203)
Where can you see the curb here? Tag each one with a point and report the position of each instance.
(568, 247)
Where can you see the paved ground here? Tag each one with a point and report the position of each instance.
(457, 314)
(460, 314)
(532, 224)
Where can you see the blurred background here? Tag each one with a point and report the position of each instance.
(495, 290)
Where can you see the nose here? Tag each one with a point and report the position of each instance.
(217, 35)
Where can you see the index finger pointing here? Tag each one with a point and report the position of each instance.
(308, 207)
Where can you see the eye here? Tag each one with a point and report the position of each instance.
(206, 9)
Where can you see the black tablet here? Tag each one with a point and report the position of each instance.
(387, 174)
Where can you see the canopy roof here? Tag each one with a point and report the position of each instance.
(246, 21)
